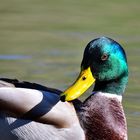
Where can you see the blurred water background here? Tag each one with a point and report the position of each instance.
(43, 41)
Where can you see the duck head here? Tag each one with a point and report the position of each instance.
(105, 64)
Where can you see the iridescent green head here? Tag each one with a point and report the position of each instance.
(104, 63)
(108, 63)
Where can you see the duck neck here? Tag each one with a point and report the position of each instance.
(116, 86)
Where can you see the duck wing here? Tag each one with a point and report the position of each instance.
(6, 82)
(34, 111)
(15, 93)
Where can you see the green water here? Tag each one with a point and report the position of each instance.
(43, 41)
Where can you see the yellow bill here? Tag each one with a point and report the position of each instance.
(84, 81)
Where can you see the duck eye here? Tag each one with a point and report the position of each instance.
(104, 57)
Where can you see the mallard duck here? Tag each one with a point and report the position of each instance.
(101, 115)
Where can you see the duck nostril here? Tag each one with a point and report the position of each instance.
(62, 98)
(83, 78)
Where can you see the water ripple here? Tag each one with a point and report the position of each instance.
(14, 57)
